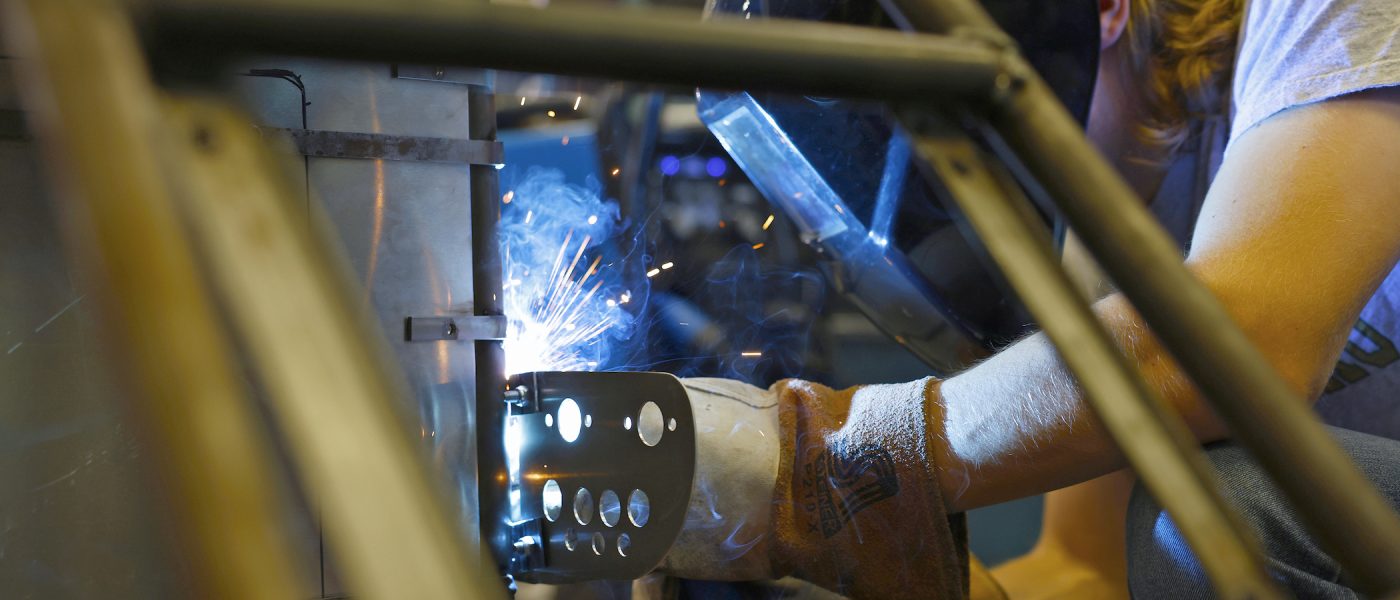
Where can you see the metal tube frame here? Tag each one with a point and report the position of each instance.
(1134, 416)
(980, 64)
(1336, 502)
(487, 300)
(1334, 499)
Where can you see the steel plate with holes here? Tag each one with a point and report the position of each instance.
(603, 463)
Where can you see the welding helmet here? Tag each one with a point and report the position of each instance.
(843, 172)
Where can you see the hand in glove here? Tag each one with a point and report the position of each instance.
(835, 487)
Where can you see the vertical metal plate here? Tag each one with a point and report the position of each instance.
(406, 229)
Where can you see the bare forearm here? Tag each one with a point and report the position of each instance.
(1016, 424)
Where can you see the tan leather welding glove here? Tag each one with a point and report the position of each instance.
(834, 487)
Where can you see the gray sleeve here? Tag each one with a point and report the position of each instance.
(1295, 52)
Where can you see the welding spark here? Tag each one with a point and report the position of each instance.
(561, 298)
(577, 101)
(545, 330)
(768, 223)
(751, 353)
(653, 272)
(667, 266)
(542, 337)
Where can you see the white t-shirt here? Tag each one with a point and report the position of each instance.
(1296, 52)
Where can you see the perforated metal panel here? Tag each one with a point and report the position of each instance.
(599, 443)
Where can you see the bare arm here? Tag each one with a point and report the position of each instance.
(1300, 227)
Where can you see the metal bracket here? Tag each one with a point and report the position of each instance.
(523, 394)
(450, 74)
(436, 329)
(600, 468)
(528, 546)
(379, 146)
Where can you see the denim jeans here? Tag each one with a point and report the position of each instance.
(1160, 564)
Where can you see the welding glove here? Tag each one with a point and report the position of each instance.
(834, 487)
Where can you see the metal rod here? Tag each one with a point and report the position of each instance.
(651, 45)
(1155, 440)
(492, 478)
(1336, 502)
(1331, 495)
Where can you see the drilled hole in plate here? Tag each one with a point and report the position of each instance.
(627, 423)
(609, 508)
(624, 544)
(549, 420)
(650, 424)
(583, 506)
(570, 539)
(599, 544)
(671, 425)
(570, 420)
(638, 508)
(553, 500)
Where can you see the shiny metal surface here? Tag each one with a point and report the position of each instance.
(406, 229)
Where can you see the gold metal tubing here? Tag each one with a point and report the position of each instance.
(97, 122)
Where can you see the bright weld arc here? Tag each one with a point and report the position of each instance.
(543, 340)
(562, 300)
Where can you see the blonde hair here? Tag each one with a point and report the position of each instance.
(1183, 51)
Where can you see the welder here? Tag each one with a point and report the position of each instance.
(1296, 230)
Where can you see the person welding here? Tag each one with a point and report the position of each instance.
(1297, 234)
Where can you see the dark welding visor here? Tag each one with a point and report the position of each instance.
(843, 171)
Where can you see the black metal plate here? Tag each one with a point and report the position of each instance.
(609, 454)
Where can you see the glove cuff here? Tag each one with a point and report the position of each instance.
(857, 506)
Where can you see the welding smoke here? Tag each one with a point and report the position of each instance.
(571, 291)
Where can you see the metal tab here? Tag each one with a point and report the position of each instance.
(433, 329)
(452, 74)
(347, 144)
